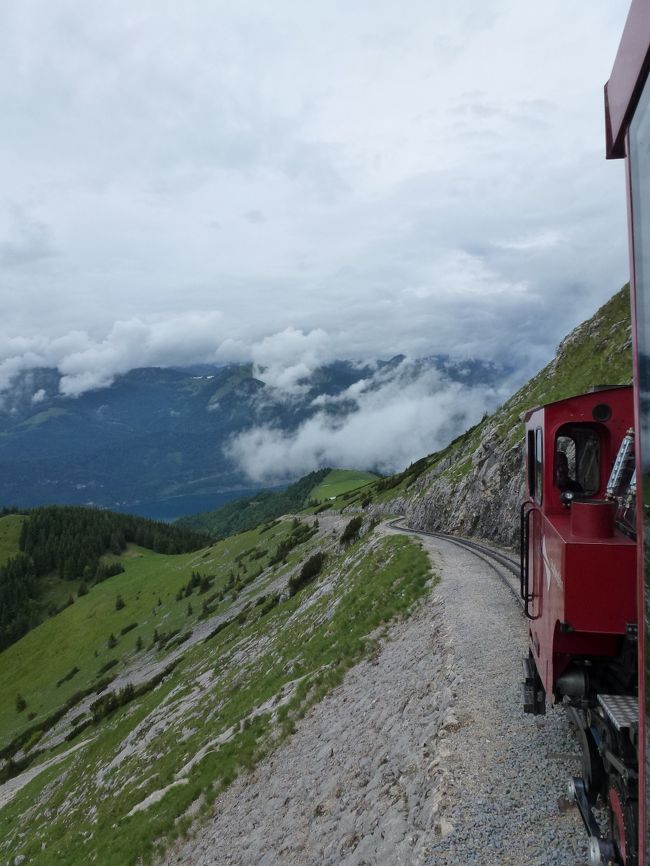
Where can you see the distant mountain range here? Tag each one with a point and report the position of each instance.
(153, 442)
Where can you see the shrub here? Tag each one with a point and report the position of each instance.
(139, 643)
(267, 603)
(119, 603)
(68, 676)
(351, 531)
(112, 641)
(128, 628)
(299, 535)
(106, 667)
(13, 768)
(206, 583)
(177, 641)
(21, 703)
(110, 702)
(311, 569)
(35, 738)
(105, 571)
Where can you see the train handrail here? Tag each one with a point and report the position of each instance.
(524, 557)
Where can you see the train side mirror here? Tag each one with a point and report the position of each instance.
(567, 497)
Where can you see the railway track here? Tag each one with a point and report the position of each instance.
(505, 566)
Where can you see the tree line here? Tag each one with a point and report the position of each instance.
(70, 542)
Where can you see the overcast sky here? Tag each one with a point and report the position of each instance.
(293, 182)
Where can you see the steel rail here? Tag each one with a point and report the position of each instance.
(482, 551)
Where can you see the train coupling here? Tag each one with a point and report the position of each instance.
(602, 851)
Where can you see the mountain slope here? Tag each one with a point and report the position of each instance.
(475, 485)
(200, 689)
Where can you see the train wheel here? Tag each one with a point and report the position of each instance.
(593, 771)
(623, 823)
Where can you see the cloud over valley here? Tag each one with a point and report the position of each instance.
(384, 422)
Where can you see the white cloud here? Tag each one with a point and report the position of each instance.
(285, 358)
(400, 416)
(418, 183)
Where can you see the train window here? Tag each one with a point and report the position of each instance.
(577, 459)
(539, 459)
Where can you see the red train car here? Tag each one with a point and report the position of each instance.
(579, 585)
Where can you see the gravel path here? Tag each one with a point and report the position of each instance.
(422, 756)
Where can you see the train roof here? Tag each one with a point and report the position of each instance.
(629, 74)
(597, 389)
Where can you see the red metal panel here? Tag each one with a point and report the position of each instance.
(628, 76)
(600, 583)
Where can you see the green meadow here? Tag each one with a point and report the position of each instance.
(340, 481)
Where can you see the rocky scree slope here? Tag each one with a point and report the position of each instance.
(475, 485)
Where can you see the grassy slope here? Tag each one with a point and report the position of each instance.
(299, 649)
(79, 634)
(340, 481)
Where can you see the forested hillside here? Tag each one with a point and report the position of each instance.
(247, 513)
(75, 547)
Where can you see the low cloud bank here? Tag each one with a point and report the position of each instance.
(280, 360)
(396, 419)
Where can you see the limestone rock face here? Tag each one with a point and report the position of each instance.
(484, 502)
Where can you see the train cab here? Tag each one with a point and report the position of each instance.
(578, 560)
(579, 587)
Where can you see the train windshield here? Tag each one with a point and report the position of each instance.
(577, 459)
